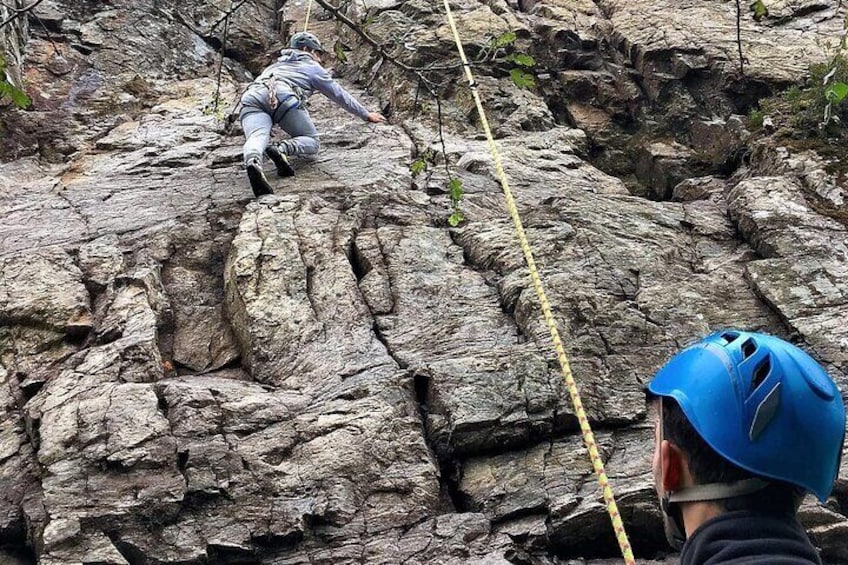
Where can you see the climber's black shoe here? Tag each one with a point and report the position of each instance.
(258, 182)
(280, 160)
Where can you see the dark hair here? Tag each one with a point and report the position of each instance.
(707, 466)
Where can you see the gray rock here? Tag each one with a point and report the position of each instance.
(203, 340)
(554, 482)
(718, 141)
(647, 32)
(699, 188)
(44, 289)
(662, 166)
(332, 374)
(831, 540)
(101, 261)
(315, 329)
(484, 386)
(18, 468)
(803, 275)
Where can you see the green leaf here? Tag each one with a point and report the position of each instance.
(522, 59)
(760, 10)
(417, 167)
(456, 218)
(456, 191)
(504, 40)
(339, 51)
(18, 96)
(522, 79)
(456, 194)
(836, 92)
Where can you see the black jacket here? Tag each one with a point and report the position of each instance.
(747, 538)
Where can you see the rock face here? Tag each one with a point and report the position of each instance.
(333, 374)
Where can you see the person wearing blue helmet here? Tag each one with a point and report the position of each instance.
(278, 96)
(746, 425)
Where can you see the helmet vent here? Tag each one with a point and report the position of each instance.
(729, 337)
(766, 411)
(748, 348)
(760, 373)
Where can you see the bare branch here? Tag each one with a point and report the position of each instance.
(230, 12)
(442, 136)
(227, 15)
(336, 13)
(19, 13)
(739, 37)
(367, 38)
(221, 61)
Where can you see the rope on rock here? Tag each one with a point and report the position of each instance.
(308, 13)
(585, 428)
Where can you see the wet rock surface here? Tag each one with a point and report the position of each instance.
(332, 374)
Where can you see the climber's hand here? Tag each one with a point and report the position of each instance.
(376, 118)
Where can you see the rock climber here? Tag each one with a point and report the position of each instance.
(746, 425)
(278, 96)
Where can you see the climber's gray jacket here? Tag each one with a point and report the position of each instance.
(296, 76)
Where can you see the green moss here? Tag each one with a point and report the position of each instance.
(755, 119)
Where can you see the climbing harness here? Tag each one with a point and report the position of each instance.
(585, 428)
(280, 107)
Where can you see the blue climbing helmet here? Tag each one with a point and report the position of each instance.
(304, 40)
(761, 403)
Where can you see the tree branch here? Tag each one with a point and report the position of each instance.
(367, 38)
(19, 13)
(227, 15)
(739, 37)
(336, 13)
(221, 61)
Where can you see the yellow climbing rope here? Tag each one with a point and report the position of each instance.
(308, 13)
(585, 428)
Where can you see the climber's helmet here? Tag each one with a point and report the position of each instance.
(305, 40)
(762, 404)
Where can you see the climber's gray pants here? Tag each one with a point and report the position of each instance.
(257, 121)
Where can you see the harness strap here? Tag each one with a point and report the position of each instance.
(289, 103)
(271, 85)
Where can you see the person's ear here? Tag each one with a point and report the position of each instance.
(673, 464)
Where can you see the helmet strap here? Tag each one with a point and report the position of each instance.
(717, 491)
(675, 531)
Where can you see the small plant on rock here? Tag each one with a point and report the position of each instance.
(755, 118)
(501, 50)
(820, 105)
(9, 90)
(817, 108)
(456, 194)
(417, 167)
(835, 80)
